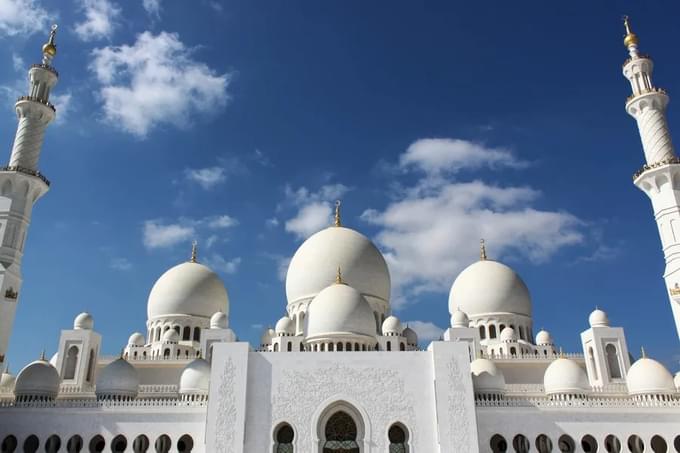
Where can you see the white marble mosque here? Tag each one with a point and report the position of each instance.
(339, 373)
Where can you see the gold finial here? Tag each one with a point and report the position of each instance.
(337, 221)
(194, 252)
(631, 38)
(482, 250)
(642, 351)
(49, 49)
(338, 277)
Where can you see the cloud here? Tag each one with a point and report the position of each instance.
(223, 221)
(207, 178)
(120, 264)
(430, 233)
(314, 209)
(158, 235)
(100, 19)
(427, 331)
(272, 222)
(18, 62)
(219, 263)
(156, 81)
(22, 17)
(62, 103)
(153, 7)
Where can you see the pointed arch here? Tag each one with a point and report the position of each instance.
(341, 428)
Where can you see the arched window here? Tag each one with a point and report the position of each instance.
(357, 347)
(402, 347)
(197, 334)
(591, 360)
(521, 444)
(289, 346)
(283, 439)
(513, 351)
(348, 346)
(543, 444)
(521, 333)
(71, 362)
(31, 444)
(53, 444)
(566, 444)
(330, 346)
(635, 444)
(176, 329)
(163, 444)
(340, 434)
(612, 444)
(302, 347)
(589, 444)
(613, 361)
(140, 444)
(388, 345)
(158, 334)
(185, 444)
(492, 331)
(90, 366)
(97, 444)
(659, 444)
(398, 437)
(676, 443)
(339, 346)
(118, 444)
(501, 327)
(9, 444)
(186, 333)
(276, 347)
(498, 443)
(74, 444)
(166, 354)
(482, 332)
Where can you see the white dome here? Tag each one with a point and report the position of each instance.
(284, 326)
(489, 287)
(7, 381)
(410, 335)
(219, 321)
(315, 263)
(188, 289)
(565, 376)
(486, 377)
(195, 378)
(38, 378)
(267, 336)
(598, 318)
(392, 326)
(340, 309)
(543, 338)
(508, 335)
(649, 377)
(118, 378)
(170, 336)
(83, 321)
(136, 339)
(459, 319)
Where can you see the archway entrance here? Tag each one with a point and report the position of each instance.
(340, 434)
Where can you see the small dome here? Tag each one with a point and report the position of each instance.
(392, 326)
(195, 378)
(83, 321)
(136, 339)
(38, 378)
(285, 326)
(508, 335)
(488, 286)
(188, 289)
(219, 321)
(316, 261)
(7, 381)
(649, 377)
(564, 376)
(170, 336)
(459, 319)
(543, 338)
(340, 309)
(486, 377)
(267, 336)
(598, 318)
(118, 378)
(411, 336)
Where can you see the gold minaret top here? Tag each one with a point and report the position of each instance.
(49, 49)
(336, 220)
(631, 38)
(482, 250)
(194, 252)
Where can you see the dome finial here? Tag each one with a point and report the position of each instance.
(194, 251)
(42, 355)
(338, 277)
(642, 351)
(631, 38)
(336, 221)
(49, 49)
(482, 250)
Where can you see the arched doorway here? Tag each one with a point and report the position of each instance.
(340, 434)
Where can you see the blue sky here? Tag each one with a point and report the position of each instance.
(238, 124)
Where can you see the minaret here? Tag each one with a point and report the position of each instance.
(21, 184)
(659, 178)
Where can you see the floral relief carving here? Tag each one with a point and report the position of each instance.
(459, 415)
(226, 416)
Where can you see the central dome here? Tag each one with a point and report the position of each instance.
(489, 287)
(188, 289)
(316, 262)
(340, 309)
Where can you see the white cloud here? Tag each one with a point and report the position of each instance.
(223, 221)
(62, 103)
(427, 331)
(212, 240)
(153, 7)
(22, 17)
(219, 263)
(207, 178)
(156, 81)
(272, 222)
(120, 264)
(314, 209)
(18, 62)
(159, 235)
(100, 20)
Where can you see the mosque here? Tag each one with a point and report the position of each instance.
(339, 373)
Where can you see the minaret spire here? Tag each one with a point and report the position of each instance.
(336, 221)
(659, 178)
(194, 252)
(482, 250)
(22, 183)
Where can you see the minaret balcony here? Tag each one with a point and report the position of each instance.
(45, 67)
(38, 100)
(639, 57)
(652, 90)
(26, 171)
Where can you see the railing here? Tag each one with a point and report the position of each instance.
(93, 403)
(533, 356)
(639, 57)
(645, 91)
(69, 388)
(588, 402)
(45, 66)
(672, 160)
(159, 388)
(38, 100)
(26, 171)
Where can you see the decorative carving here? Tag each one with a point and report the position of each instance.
(380, 391)
(675, 290)
(11, 294)
(459, 418)
(226, 416)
